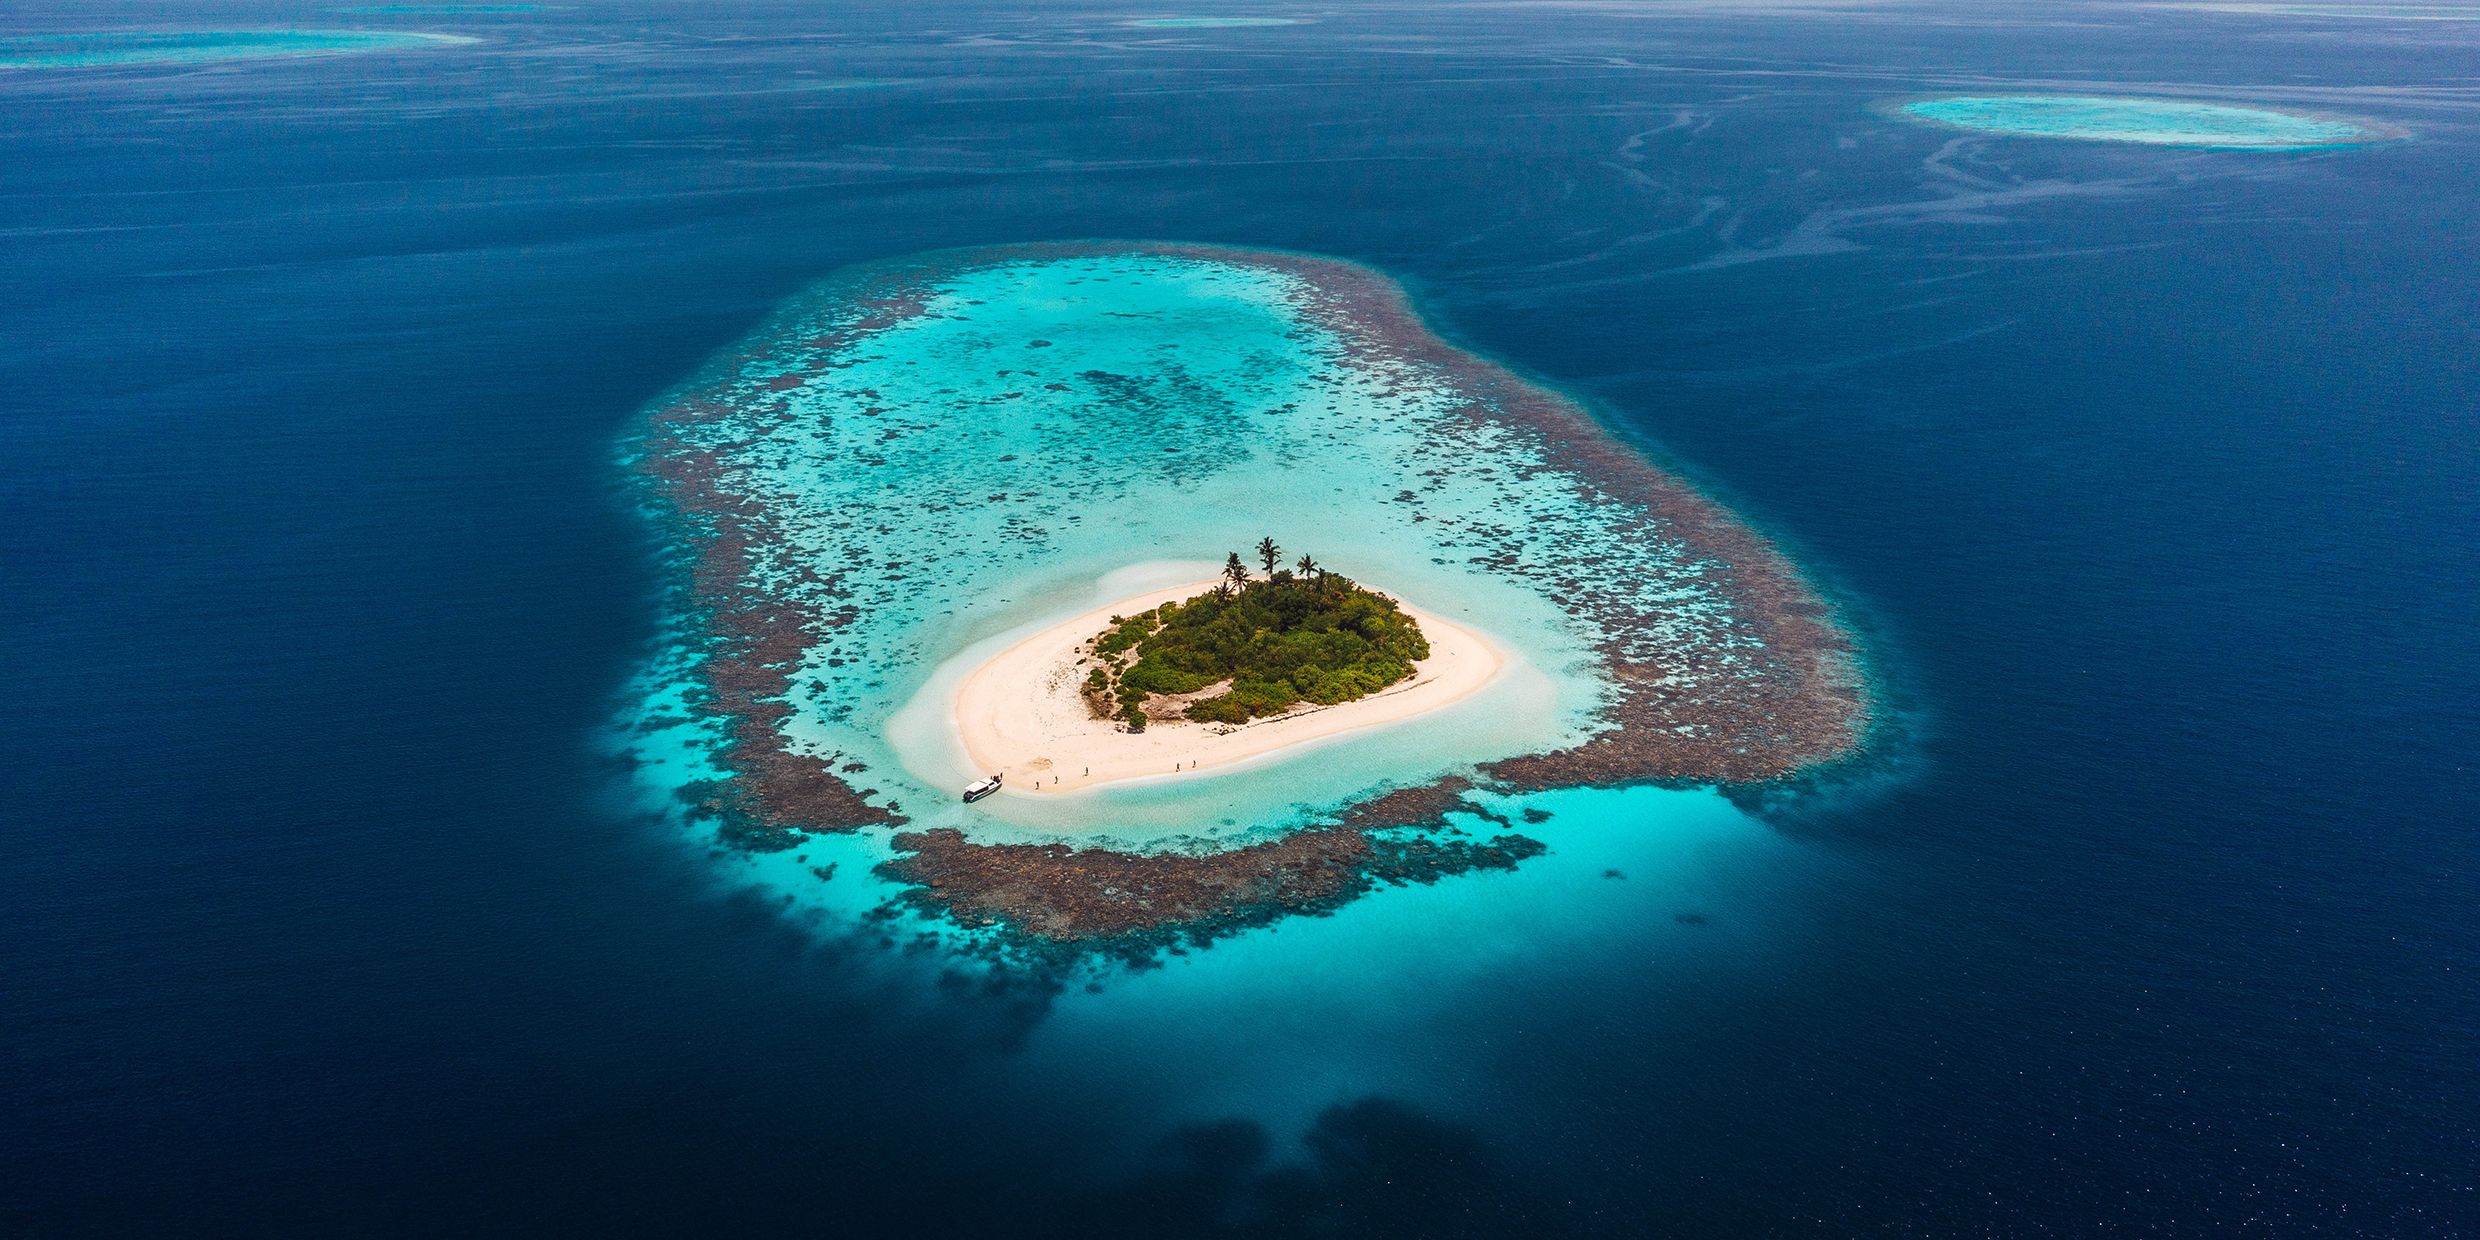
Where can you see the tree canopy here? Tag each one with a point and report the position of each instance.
(1280, 641)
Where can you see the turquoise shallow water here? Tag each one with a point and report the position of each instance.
(2161, 122)
(77, 51)
(1385, 995)
(1045, 436)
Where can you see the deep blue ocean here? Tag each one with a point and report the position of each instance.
(2148, 474)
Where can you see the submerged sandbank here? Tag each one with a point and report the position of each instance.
(101, 49)
(2148, 122)
(1021, 712)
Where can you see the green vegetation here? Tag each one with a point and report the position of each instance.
(1307, 636)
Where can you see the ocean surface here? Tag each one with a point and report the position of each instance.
(2146, 475)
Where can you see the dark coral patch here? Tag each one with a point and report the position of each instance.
(1055, 892)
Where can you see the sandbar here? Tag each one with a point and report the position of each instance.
(1022, 713)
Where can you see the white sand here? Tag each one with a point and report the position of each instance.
(1022, 713)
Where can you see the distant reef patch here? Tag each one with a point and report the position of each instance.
(453, 9)
(149, 47)
(1210, 23)
(2151, 122)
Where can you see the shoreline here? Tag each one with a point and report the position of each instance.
(1021, 712)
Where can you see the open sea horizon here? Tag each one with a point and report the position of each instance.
(2144, 475)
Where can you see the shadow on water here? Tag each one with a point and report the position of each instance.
(1374, 1168)
(1368, 1168)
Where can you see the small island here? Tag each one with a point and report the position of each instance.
(1177, 682)
(1250, 649)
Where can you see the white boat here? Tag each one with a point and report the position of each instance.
(980, 788)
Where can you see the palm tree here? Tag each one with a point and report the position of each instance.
(1269, 553)
(1236, 571)
(1308, 568)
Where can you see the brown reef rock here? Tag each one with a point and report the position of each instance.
(1055, 892)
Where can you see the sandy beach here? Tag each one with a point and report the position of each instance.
(1022, 713)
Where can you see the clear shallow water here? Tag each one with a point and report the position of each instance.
(327, 913)
(2158, 122)
(1375, 999)
(78, 51)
